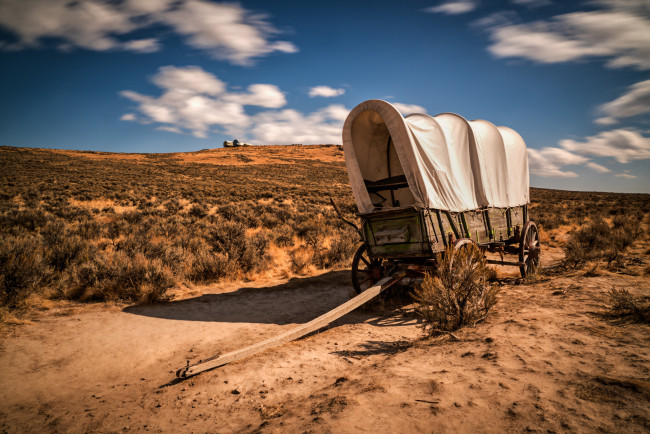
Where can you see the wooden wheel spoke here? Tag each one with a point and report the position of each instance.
(529, 249)
(365, 270)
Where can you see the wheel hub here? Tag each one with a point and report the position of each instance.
(533, 252)
(375, 273)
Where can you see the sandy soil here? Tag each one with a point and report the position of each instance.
(548, 359)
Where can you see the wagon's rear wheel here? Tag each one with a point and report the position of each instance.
(365, 270)
(529, 249)
(460, 245)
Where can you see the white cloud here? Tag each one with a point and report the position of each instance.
(195, 100)
(261, 95)
(562, 157)
(148, 45)
(623, 145)
(148, 6)
(325, 91)
(453, 7)
(226, 30)
(548, 162)
(606, 121)
(625, 175)
(290, 126)
(86, 24)
(617, 34)
(634, 102)
(597, 167)
(170, 129)
(406, 109)
(191, 79)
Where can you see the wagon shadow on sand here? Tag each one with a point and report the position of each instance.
(297, 301)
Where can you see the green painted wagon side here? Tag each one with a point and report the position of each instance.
(415, 233)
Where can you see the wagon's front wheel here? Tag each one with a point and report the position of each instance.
(365, 270)
(529, 249)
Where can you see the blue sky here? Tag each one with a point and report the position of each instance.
(572, 77)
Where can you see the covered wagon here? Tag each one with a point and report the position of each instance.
(424, 183)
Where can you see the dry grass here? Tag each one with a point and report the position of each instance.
(625, 305)
(102, 226)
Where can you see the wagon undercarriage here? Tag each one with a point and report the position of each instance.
(416, 239)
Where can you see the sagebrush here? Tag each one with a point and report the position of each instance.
(101, 226)
(458, 294)
(599, 240)
(84, 225)
(625, 305)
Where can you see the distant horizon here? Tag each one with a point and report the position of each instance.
(293, 144)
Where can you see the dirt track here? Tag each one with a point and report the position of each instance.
(547, 360)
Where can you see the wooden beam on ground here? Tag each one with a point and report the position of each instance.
(290, 335)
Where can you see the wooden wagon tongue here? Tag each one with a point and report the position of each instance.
(298, 332)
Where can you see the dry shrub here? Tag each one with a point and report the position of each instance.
(598, 240)
(89, 229)
(312, 232)
(458, 295)
(333, 405)
(207, 266)
(625, 305)
(118, 277)
(550, 220)
(29, 219)
(283, 236)
(342, 247)
(198, 211)
(61, 248)
(301, 258)
(157, 214)
(249, 253)
(255, 256)
(22, 268)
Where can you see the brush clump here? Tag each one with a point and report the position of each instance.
(599, 240)
(459, 294)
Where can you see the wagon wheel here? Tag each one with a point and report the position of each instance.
(365, 270)
(529, 249)
(459, 244)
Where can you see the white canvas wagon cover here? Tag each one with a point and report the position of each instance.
(449, 163)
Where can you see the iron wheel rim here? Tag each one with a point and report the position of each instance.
(366, 271)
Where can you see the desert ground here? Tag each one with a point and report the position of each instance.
(549, 359)
(551, 356)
